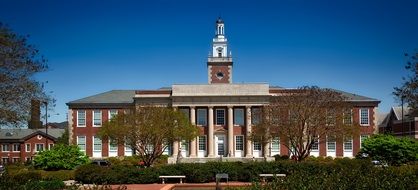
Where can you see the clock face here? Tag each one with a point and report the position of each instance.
(220, 75)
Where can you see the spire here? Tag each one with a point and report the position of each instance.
(220, 28)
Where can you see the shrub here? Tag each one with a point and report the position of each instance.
(390, 149)
(60, 157)
(57, 175)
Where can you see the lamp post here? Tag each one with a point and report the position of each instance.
(46, 125)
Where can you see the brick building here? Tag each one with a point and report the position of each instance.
(400, 124)
(23, 144)
(221, 109)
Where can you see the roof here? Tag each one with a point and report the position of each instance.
(398, 112)
(109, 97)
(383, 119)
(18, 134)
(356, 97)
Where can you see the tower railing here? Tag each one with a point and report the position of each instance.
(219, 59)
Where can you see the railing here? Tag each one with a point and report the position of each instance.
(219, 59)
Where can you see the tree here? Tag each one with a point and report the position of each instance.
(19, 61)
(408, 91)
(64, 139)
(302, 116)
(148, 130)
(390, 149)
(60, 157)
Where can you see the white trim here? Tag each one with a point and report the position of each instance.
(26, 147)
(85, 118)
(36, 147)
(109, 115)
(368, 117)
(85, 142)
(93, 118)
(13, 147)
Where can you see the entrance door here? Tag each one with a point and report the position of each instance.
(220, 145)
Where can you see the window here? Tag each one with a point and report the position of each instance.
(97, 144)
(348, 117)
(220, 116)
(364, 116)
(202, 117)
(257, 145)
(39, 147)
(5, 148)
(239, 116)
(81, 118)
(348, 144)
(97, 118)
(28, 159)
(331, 143)
(331, 117)
(50, 146)
(239, 142)
(5, 160)
(16, 159)
(202, 142)
(112, 113)
(255, 116)
(315, 145)
(186, 112)
(81, 142)
(16, 147)
(28, 149)
(275, 144)
(362, 138)
(113, 146)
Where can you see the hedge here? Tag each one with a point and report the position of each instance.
(311, 174)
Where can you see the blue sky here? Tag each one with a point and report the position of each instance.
(96, 46)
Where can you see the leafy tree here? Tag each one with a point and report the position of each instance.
(408, 91)
(390, 149)
(60, 157)
(19, 61)
(148, 130)
(302, 116)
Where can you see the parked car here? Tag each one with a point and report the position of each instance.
(103, 163)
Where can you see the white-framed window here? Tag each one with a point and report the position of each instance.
(128, 148)
(81, 142)
(348, 144)
(364, 116)
(5, 160)
(97, 144)
(275, 144)
(5, 148)
(362, 138)
(28, 149)
(112, 113)
(202, 116)
(28, 159)
(220, 116)
(81, 118)
(50, 146)
(348, 117)
(239, 142)
(97, 118)
(16, 159)
(202, 142)
(331, 117)
(113, 146)
(257, 145)
(315, 145)
(39, 147)
(239, 116)
(331, 143)
(16, 147)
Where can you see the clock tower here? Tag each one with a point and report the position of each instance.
(219, 62)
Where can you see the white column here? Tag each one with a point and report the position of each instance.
(175, 149)
(248, 142)
(193, 150)
(210, 133)
(230, 131)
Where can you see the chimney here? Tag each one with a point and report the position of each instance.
(35, 114)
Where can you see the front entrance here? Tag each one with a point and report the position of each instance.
(220, 144)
